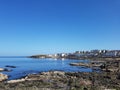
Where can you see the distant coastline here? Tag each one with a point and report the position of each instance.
(91, 55)
(105, 61)
(13, 56)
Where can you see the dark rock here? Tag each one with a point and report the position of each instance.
(7, 70)
(10, 66)
(118, 76)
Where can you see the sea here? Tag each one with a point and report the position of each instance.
(25, 66)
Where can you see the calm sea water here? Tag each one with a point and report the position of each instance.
(25, 66)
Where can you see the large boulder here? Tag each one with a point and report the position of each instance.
(3, 77)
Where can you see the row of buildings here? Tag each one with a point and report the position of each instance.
(83, 54)
(92, 53)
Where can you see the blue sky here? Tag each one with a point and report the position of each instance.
(30, 27)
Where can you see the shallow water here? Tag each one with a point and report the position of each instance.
(25, 66)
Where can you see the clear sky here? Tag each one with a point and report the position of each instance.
(30, 27)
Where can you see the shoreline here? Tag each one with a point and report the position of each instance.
(60, 80)
(108, 78)
(76, 58)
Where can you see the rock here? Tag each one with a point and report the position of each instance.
(7, 70)
(80, 64)
(16, 81)
(118, 76)
(85, 64)
(3, 77)
(10, 66)
(45, 75)
(1, 69)
(85, 82)
(53, 73)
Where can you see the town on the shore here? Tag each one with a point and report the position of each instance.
(83, 54)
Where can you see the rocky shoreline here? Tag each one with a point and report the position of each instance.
(58, 80)
(107, 78)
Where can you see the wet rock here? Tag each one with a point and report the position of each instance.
(86, 64)
(10, 66)
(79, 64)
(3, 77)
(7, 70)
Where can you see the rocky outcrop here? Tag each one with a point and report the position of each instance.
(1, 69)
(16, 81)
(86, 64)
(42, 76)
(5, 69)
(9, 66)
(3, 77)
(70, 81)
(45, 75)
(79, 64)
